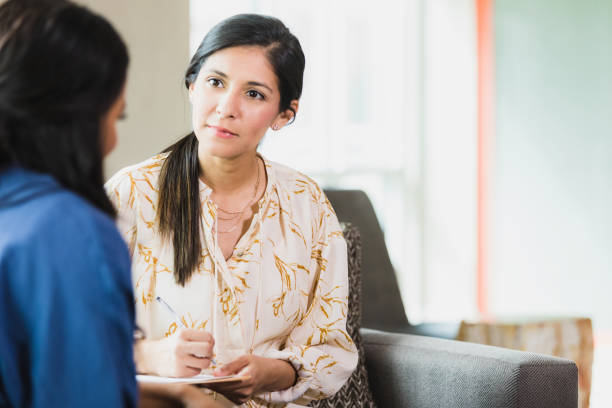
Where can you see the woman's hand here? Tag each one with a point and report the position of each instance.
(184, 354)
(174, 396)
(261, 375)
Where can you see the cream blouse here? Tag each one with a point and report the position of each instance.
(282, 294)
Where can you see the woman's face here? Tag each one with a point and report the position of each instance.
(235, 99)
(108, 124)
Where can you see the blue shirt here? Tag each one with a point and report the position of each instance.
(66, 308)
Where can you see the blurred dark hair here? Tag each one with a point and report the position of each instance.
(179, 200)
(61, 69)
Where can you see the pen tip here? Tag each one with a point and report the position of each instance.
(158, 298)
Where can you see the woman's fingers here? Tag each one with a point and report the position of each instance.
(183, 370)
(193, 350)
(194, 398)
(184, 354)
(247, 366)
(194, 362)
(197, 349)
(174, 396)
(196, 335)
(232, 367)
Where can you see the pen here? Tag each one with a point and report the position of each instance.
(177, 319)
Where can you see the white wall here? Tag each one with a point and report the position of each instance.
(158, 111)
(449, 160)
(552, 207)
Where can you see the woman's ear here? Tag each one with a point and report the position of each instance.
(287, 115)
(295, 105)
(191, 93)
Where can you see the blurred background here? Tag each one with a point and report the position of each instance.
(484, 142)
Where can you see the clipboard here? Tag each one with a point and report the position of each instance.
(203, 379)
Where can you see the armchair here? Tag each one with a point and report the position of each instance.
(397, 369)
(415, 371)
(382, 303)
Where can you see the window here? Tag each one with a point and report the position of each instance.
(367, 106)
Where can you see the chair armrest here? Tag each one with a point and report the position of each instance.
(414, 371)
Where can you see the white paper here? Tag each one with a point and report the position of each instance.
(196, 379)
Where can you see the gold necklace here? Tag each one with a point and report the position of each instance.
(233, 217)
(238, 214)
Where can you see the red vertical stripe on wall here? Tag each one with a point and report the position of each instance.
(485, 51)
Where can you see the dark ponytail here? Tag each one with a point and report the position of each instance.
(179, 208)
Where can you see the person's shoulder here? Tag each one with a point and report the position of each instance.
(61, 243)
(294, 182)
(67, 213)
(147, 171)
(57, 218)
(306, 198)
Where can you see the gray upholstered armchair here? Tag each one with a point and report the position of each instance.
(406, 370)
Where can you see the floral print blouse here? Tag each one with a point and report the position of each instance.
(282, 294)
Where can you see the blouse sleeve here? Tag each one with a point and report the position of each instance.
(121, 190)
(319, 347)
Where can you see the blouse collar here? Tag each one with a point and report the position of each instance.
(271, 181)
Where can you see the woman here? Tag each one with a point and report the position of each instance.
(246, 253)
(66, 308)
(66, 314)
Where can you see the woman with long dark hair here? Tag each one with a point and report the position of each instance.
(66, 309)
(239, 263)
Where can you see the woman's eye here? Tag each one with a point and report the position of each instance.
(255, 95)
(214, 82)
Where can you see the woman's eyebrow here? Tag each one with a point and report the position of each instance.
(221, 74)
(251, 83)
(254, 83)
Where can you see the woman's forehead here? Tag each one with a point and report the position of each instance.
(243, 63)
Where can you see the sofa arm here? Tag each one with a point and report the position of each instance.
(414, 371)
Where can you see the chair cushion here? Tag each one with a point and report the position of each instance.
(356, 392)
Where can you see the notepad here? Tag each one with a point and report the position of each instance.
(197, 379)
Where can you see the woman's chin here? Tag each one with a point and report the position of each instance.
(221, 152)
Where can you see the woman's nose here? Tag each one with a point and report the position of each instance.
(228, 105)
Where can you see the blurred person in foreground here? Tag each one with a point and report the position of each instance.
(66, 308)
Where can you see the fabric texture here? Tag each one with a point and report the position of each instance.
(282, 294)
(356, 391)
(66, 308)
(426, 372)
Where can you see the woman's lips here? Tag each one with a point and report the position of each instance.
(222, 132)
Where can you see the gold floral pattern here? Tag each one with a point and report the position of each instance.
(282, 294)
